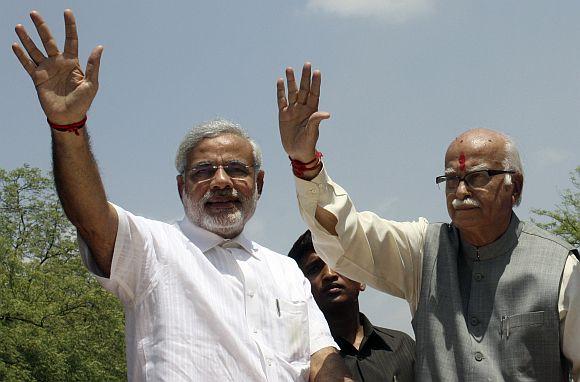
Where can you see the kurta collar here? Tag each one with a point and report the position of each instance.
(206, 240)
(504, 244)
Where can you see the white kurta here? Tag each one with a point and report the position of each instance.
(202, 308)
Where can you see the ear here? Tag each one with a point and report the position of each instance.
(362, 287)
(518, 184)
(260, 181)
(180, 185)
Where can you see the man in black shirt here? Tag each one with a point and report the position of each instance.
(371, 353)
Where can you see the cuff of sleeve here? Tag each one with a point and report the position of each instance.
(310, 188)
(113, 283)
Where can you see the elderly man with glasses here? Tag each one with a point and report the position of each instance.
(493, 298)
(202, 301)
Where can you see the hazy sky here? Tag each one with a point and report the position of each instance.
(400, 78)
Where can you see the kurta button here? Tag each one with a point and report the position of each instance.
(478, 357)
(474, 321)
(251, 293)
(255, 331)
(478, 276)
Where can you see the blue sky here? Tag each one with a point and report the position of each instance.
(400, 78)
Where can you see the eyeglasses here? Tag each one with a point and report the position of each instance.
(206, 171)
(474, 179)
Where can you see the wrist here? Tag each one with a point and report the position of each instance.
(70, 127)
(307, 170)
(310, 174)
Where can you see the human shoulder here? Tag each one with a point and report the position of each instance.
(130, 223)
(272, 256)
(532, 232)
(395, 335)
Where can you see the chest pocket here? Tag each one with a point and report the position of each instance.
(292, 339)
(527, 339)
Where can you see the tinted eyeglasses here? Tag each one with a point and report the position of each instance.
(474, 179)
(234, 169)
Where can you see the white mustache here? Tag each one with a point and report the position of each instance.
(220, 192)
(457, 203)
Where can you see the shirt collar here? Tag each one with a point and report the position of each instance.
(206, 240)
(368, 332)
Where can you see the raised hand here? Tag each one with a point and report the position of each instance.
(64, 91)
(298, 114)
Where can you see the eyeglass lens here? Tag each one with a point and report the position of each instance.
(474, 179)
(236, 170)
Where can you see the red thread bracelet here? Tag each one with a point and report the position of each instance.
(299, 167)
(72, 128)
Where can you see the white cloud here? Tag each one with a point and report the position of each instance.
(388, 10)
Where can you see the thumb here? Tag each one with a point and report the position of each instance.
(93, 64)
(316, 118)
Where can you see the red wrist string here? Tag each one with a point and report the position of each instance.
(298, 168)
(72, 128)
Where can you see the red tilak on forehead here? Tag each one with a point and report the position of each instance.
(462, 162)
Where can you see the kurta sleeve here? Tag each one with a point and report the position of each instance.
(385, 254)
(134, 257)
(569, 308)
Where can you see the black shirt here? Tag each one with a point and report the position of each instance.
(384, 354)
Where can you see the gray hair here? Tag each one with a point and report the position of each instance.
(212, 129)
(512, 161)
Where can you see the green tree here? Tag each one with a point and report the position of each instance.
(56, 322)
(565, 219)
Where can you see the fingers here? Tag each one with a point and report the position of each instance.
(292, 89)
(314, 92)
(44, 33)
(26, 62)
(28, 44)
(93, 65)
(304, 84)
(71, 42)
(281, 94)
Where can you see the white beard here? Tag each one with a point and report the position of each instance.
(227, 224)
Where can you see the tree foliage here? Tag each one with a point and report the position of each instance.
(565, 219)
(56, 322)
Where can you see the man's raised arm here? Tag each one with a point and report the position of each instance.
(299, 120)
(65, 94)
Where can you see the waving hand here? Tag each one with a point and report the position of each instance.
(64, 91)
(298, 114)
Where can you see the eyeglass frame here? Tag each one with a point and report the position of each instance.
(225, 166)
(444, 178)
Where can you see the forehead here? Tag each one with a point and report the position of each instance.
(470, 151)
(308, 259)
(221, 149)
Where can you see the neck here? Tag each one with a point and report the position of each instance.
(345, 323)
(485, 235)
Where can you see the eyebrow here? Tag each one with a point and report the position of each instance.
(478, 167)
(451, 171)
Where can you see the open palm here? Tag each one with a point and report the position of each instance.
(64, 91)
(298, 114)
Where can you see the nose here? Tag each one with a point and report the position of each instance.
(221, 179)
(329, 273)
(462, 191)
